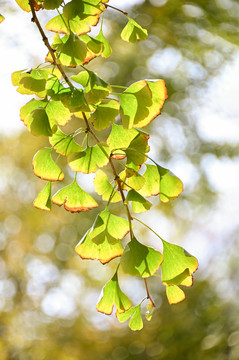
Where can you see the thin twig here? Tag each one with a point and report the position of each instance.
(148, 294)
(46, 42)
(112, 7)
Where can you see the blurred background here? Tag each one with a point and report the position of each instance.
(47, 293)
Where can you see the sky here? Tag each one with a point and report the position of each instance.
(216, 114)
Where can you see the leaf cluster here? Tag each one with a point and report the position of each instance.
(130, 176)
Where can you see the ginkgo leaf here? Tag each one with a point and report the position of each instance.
(70, 50)
(90, 159)
(107, 48)
(52, 4)
(95, 88)
(1, 18)
(177, 265)
(136, 322)
(64, 144)
(138, 202)
(45, 168)
(170, 185)
(38, 123)
(56, 111)
(43, 199)
(104, 114)
(104, 188)
(112, 295)
(175, 294)
(109, 227)
(74, 198)
(120, 138)
(104, 251)
(141, 102)
(140, 260)
(152, 181)
(74, 100)
(136, 151)
(94, 48)
(133, 32)
(131, 179)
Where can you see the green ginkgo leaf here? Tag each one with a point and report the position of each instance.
(112, 295)
(138, 202)
(95, 88)
(56, 111)
(74, 100)
(175, 294)
(140, 260)
(141, 102)
(1, 18)
(136, 151)
(109, 227)
(104, 188)
(94, 47)
(103, 251)
(104, 114)
(178, 265)
(133, 32)
(152, 181)
(52, 4)
(38, 123)
(44, 166)
(74, 198)
(64, 144)
(43, 199)
(120, 138)
(136, 322)
(131, 180)
(107, 48)
(90, 159)
(24, 4)
(170, 185)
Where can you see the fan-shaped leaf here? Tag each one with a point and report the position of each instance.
(64, 144)
(152, 181)
(45, 168)
(1, 18)
(133, 32)
(104, 188)
(74, 198)
(38, 123)
(136, 322)
(140, 260)
(112, 295)
(90, 159)
(104, 114)
(107, 48)
(175, 294)
(43, 199)
(170, 185)
(104, 251)
(139, 203)
(141, 102)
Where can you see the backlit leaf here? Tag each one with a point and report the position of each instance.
(152, 181)
(140, 260)
(104, 114)
(133, 32)
(74, 198)
(104, 188)
(120, 138)
(52, 4)
(43, 199)
(58, 112)
(90, 159)
(38, 123)
(138, 202)
(136, 150)
(170, 185)
(107, 48)
(175, 294)
(109, 227)
(112, 295)
(104, 251)
(177, 264)
(64, 144)
(95, 88)
(24, 4)
(94, 47)
(132, 179)
(74, 100)
(45, 168)
(136, 322)
(141, 102)
(1, 18)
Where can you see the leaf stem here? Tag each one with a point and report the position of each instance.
(46, 42)
(115, 8)
(148, 294)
